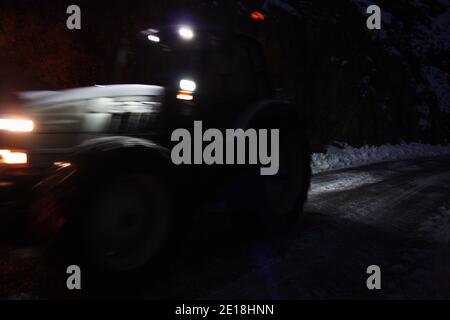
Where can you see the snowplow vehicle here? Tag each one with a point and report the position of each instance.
(98, 161)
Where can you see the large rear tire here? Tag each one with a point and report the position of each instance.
(284, 194)
(277, 200)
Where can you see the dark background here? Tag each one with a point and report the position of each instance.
(352, 84)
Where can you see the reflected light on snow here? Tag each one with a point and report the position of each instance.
(343, 181)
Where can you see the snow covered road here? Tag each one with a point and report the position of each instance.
(394, 214)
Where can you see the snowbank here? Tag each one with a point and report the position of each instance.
(347, 156)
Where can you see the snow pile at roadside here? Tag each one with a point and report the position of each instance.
(347, 156)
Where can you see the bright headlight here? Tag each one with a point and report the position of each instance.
(186, 33)
(13, 157)
(153, 38)
(16, 125)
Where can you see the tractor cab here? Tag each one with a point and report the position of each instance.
(211, 70)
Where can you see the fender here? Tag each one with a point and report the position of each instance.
(117, 153)
(57, 193)
(98, 146)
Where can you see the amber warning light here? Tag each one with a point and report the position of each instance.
(257, 16)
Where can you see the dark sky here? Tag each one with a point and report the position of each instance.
(327, 62)
(37, 32)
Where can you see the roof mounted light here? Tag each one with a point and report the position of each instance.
(186, 33)
(153, 38)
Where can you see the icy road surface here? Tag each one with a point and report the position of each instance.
(395, 215)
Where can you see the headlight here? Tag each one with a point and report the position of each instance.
(13, 157)
(16, 125)
(153, 38)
